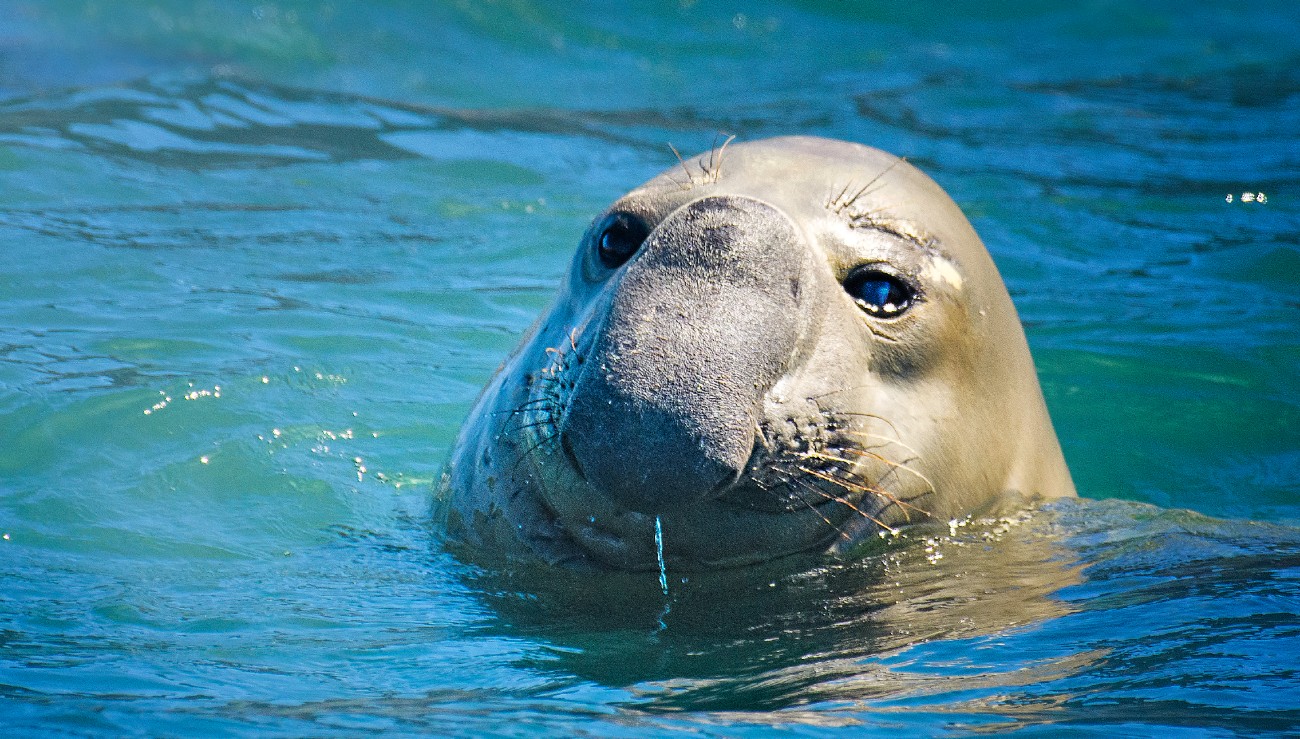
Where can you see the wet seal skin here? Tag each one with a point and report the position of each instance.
(779, 346)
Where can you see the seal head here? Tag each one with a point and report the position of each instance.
(787, 345)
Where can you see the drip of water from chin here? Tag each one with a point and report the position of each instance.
(659, 550)
(663, 571)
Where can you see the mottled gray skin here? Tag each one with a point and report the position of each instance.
(725, 381)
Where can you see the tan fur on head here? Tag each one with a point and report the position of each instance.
(706, 365)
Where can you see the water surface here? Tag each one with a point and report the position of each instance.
(260, 257)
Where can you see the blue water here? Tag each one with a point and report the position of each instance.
(260, 257)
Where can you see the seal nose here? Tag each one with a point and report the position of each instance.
(667, 466)
(700, 325)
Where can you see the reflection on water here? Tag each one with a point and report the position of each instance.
(1029, 618)
(344, 215)
(790, 632)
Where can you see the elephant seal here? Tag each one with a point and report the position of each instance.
(781, 346)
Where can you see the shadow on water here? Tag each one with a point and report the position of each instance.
(1085, 614)
(796, 631)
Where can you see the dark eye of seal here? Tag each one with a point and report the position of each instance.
(619, 238)
(879, 293)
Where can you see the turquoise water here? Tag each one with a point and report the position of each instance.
(260, 257)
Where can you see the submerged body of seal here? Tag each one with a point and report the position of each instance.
(789, 349)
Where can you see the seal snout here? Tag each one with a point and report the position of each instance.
(650, 463)
(700, 325)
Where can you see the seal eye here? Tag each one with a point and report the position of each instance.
(879, 293)
(620, 238)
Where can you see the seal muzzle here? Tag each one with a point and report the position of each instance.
(701, 324)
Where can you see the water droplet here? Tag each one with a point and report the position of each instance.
(659, 550)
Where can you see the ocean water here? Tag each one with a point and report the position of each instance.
(258, 259)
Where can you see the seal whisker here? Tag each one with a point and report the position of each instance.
(791, 481)
(855, 432)
(821, 515)
(714, 169)
(896, 465)
(547, 387)
(819, 396)
(852, 487)
(521, 422)
(524, 405)
(882, 419)
(865, 188)
(531, 450)
(535, 424)
(854, 199)
(840, 533)
(690, 179)
(828, 393)
(680, 186)
(844, 501)
(834, 204)
(531, 406)
(713, 150)
(902, 503)
(855, 487)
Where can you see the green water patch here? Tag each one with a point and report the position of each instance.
(478, 171)
(1169, 429)
(10, 159)
(141, 350)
